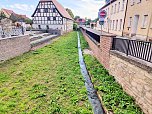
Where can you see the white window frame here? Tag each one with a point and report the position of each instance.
(123, 5)
(116, 27)
(138, 1)
(145, 21)
(120, 25)
(118, 7)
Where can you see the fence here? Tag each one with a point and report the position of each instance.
(138, 49)
(12, 32)
(93, 35)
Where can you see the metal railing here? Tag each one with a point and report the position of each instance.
(12, 32)
(138, 49)
(93, 35)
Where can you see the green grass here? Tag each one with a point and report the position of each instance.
(45, 81)
(113, 96)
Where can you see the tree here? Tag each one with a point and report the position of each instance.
(76, 17)
(88, 22)
(70, 12)
(95, 20)
(2, 15)
(28, 21)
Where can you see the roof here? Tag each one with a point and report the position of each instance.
(9, 12)
(60, 8)
(110, 1)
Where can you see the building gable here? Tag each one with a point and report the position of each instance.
(47, 13)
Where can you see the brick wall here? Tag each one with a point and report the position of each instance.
(105, 45)
(14, 46)
(101, 50)
(135, 78)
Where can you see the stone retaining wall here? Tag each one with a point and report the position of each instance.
(14, 46)
(133, 74)
(135, 78)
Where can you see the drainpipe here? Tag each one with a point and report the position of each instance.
(125, 18)
(66, 26)
(149, 27)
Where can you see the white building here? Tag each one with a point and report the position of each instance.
(50, 14)
(114, 22)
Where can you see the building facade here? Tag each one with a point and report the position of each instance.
(138, 22)
(114, 21)
(50, 14)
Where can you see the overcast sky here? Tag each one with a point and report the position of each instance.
(83, 8)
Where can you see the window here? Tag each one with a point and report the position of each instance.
(120, 28)
(54, 18)
(48, 18)
(118, 6)
(112, 10)
(145, 21)
(113, 25)
(130, 22)
(138, 1)
(110, 24)
(115, 8)
(123, 5)
(54, 10)
(45, 10)
(132, 2)
(116, 25)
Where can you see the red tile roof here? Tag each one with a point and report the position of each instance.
(9, 12)
(60, 8)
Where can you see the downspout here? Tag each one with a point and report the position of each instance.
(149, 27)
(66, 25)
(125, 18)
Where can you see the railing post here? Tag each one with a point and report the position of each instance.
(128, 49)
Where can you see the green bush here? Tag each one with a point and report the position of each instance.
(75, 25)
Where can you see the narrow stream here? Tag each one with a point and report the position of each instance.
(92, 93)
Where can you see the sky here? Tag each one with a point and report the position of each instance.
(82, 8)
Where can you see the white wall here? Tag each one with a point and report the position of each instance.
(116, 17)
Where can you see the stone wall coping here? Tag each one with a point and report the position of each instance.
(147, 66)
(108, 35)
(97, 32)
(13, 37)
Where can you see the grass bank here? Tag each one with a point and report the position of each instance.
(45, 81)
(113, 96)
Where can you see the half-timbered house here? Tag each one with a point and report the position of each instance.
(50, 14)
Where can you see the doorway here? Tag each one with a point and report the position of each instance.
(135, 25)
(39, 26)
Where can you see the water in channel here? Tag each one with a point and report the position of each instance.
(92, 93)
